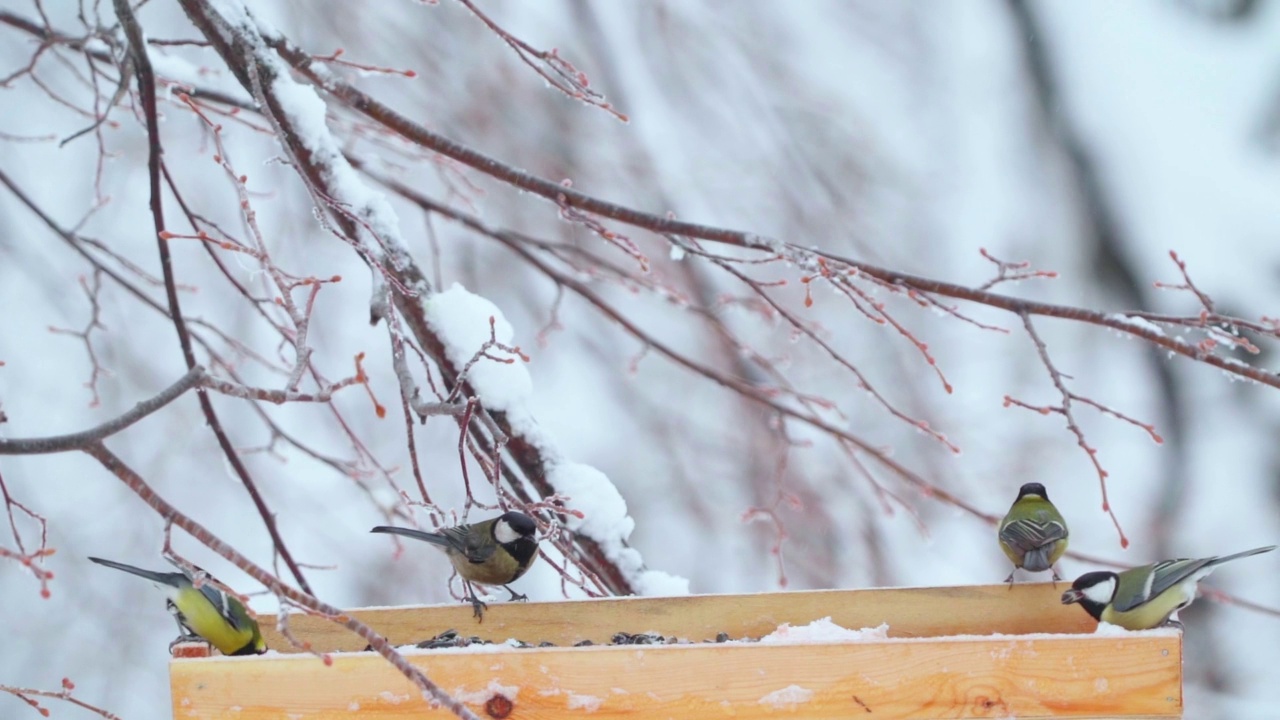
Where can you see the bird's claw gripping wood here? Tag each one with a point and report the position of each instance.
(478, 605)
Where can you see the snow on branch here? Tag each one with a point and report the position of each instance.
(803, 257)
(478, 337)
(365, 219)
(139, 62)
(848, 275)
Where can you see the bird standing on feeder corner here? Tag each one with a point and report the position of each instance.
(1033, 533)
(206, 613)
(496, 551)
(1149, 596)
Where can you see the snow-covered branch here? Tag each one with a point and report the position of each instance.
(364, 218)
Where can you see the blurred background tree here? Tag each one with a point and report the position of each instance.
(834, 395)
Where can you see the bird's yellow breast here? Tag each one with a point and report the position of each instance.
(500, 569)
(1151, 614)
(204, 619)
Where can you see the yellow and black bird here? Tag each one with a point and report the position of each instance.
(496, 551)
(205, 613)
(1033, 533)
(1149, 596)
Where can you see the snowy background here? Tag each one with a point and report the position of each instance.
(1090, 138)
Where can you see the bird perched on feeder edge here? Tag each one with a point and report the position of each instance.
(1033, 534)
(496, 551)
(205, 613)
(1148, 596)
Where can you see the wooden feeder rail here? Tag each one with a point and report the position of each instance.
(923, 671)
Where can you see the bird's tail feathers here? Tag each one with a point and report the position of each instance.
(1245, 554)
(433, 538)
(1037, 559)
(159, 577)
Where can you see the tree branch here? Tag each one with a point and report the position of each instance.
(79, 440)
(147, 91)
(801, 256)
(303, 599)
(323, 171)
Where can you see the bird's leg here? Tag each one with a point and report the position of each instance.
(1056, 576)
(476, 603)
(185, 634)
(514, 595)
(1010, 578)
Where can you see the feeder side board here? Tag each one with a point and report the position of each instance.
(1039, 677)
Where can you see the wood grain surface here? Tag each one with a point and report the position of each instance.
(998, 668)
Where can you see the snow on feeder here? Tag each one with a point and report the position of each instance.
(967, 651)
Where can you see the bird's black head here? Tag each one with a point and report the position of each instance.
(512, 526)
(1032, 489)
(517, 533)
(1093, 590)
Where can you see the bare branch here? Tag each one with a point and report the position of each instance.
(29, 695)
(550, 66)
(805, 258)
(79, 440)
(147, 91)
(1012, 271)
(1065, 410)
(95, 323)
(27, 558)
(360, 222)
(302, 599)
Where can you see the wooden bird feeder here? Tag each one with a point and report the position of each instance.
(951, 652)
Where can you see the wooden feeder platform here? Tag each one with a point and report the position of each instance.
(952, 652)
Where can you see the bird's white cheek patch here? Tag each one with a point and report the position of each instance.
(1102, 592)
(503, 533)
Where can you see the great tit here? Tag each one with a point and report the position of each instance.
(1145, 597)
(491, 552)
(205, 612)
(1033, 533)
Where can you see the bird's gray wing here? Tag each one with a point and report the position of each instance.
(1164, 575)
(221, 602)
(216, 597)
(1027, 534)
(473, 546)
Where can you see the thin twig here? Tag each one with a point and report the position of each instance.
(147, 92)
(79, 440)
(28, 696)
(171, 515)
(1065, 410)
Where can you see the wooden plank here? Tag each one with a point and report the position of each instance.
(1038, 677)
(910, 612)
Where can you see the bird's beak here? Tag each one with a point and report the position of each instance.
(1072, 596)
